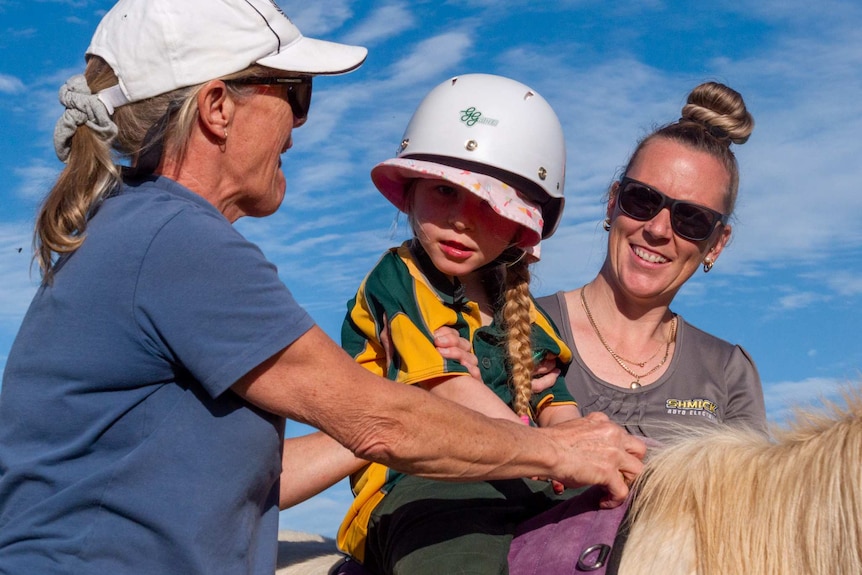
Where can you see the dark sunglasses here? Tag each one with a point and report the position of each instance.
(691, 221)
(298, 92)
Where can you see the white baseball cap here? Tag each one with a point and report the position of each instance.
(157, 46)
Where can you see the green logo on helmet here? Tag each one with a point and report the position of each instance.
(471, 116)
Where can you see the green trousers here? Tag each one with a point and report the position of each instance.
(426, 527)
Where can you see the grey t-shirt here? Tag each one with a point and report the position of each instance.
(708, 381)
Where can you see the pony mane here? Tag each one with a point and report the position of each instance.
(736, 500)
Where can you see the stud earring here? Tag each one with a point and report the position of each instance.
(708, 262)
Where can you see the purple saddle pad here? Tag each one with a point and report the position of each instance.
(349, 567)
(575, 536)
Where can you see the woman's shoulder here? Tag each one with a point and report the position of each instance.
(552, 305)
(697, 336)
(552, 299)
(705, 346)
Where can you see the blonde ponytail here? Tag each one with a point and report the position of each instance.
(89, 175)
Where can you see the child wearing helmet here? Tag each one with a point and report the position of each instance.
(480, 174)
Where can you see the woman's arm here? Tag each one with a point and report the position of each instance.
(303, 477)
(314, 381)
(312, 463)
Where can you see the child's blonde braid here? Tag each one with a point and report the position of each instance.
(518, 324)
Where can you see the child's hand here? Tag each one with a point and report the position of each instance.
(452, 346)
(556, 485)
(545, 373)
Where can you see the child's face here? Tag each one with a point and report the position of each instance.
(459, 231)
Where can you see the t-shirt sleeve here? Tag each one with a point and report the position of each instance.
(390, 301)
(745, 402)
(360, 334)
(210, 302)
(547, 339)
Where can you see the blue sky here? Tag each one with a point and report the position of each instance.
(789, 286)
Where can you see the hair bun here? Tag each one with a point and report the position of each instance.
(721, 110)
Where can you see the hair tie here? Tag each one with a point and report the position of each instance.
(82, 107)
(716, 132)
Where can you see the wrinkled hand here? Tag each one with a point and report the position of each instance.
(452, 346)
(598, 452)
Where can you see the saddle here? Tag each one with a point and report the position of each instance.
(575, 536)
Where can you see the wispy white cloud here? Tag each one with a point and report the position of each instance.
(71, 3)
(787, 396)
(384, 22)
(799, 300)
(18, 284)
(318, 18)
(18, 33)
(10, 84)
(36, 179)
(831, 13)
(844, 283)
(431, 58)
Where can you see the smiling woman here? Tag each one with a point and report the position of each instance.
(635, 359)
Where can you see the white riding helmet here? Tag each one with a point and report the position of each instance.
(496, 126)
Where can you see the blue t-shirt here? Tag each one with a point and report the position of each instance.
(122, 447)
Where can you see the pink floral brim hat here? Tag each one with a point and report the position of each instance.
(392, 177)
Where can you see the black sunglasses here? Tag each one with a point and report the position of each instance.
(298, 92)
(691, 221)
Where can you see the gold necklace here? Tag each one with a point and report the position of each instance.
(630, 361)
(620, 360)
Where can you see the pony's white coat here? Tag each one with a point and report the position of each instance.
(735, 501)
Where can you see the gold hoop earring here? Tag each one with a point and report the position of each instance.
(708, 262)
(607, 224)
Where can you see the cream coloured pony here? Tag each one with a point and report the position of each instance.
(734, 501)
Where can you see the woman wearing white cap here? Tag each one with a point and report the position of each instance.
(143, 402)
(480, 175)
